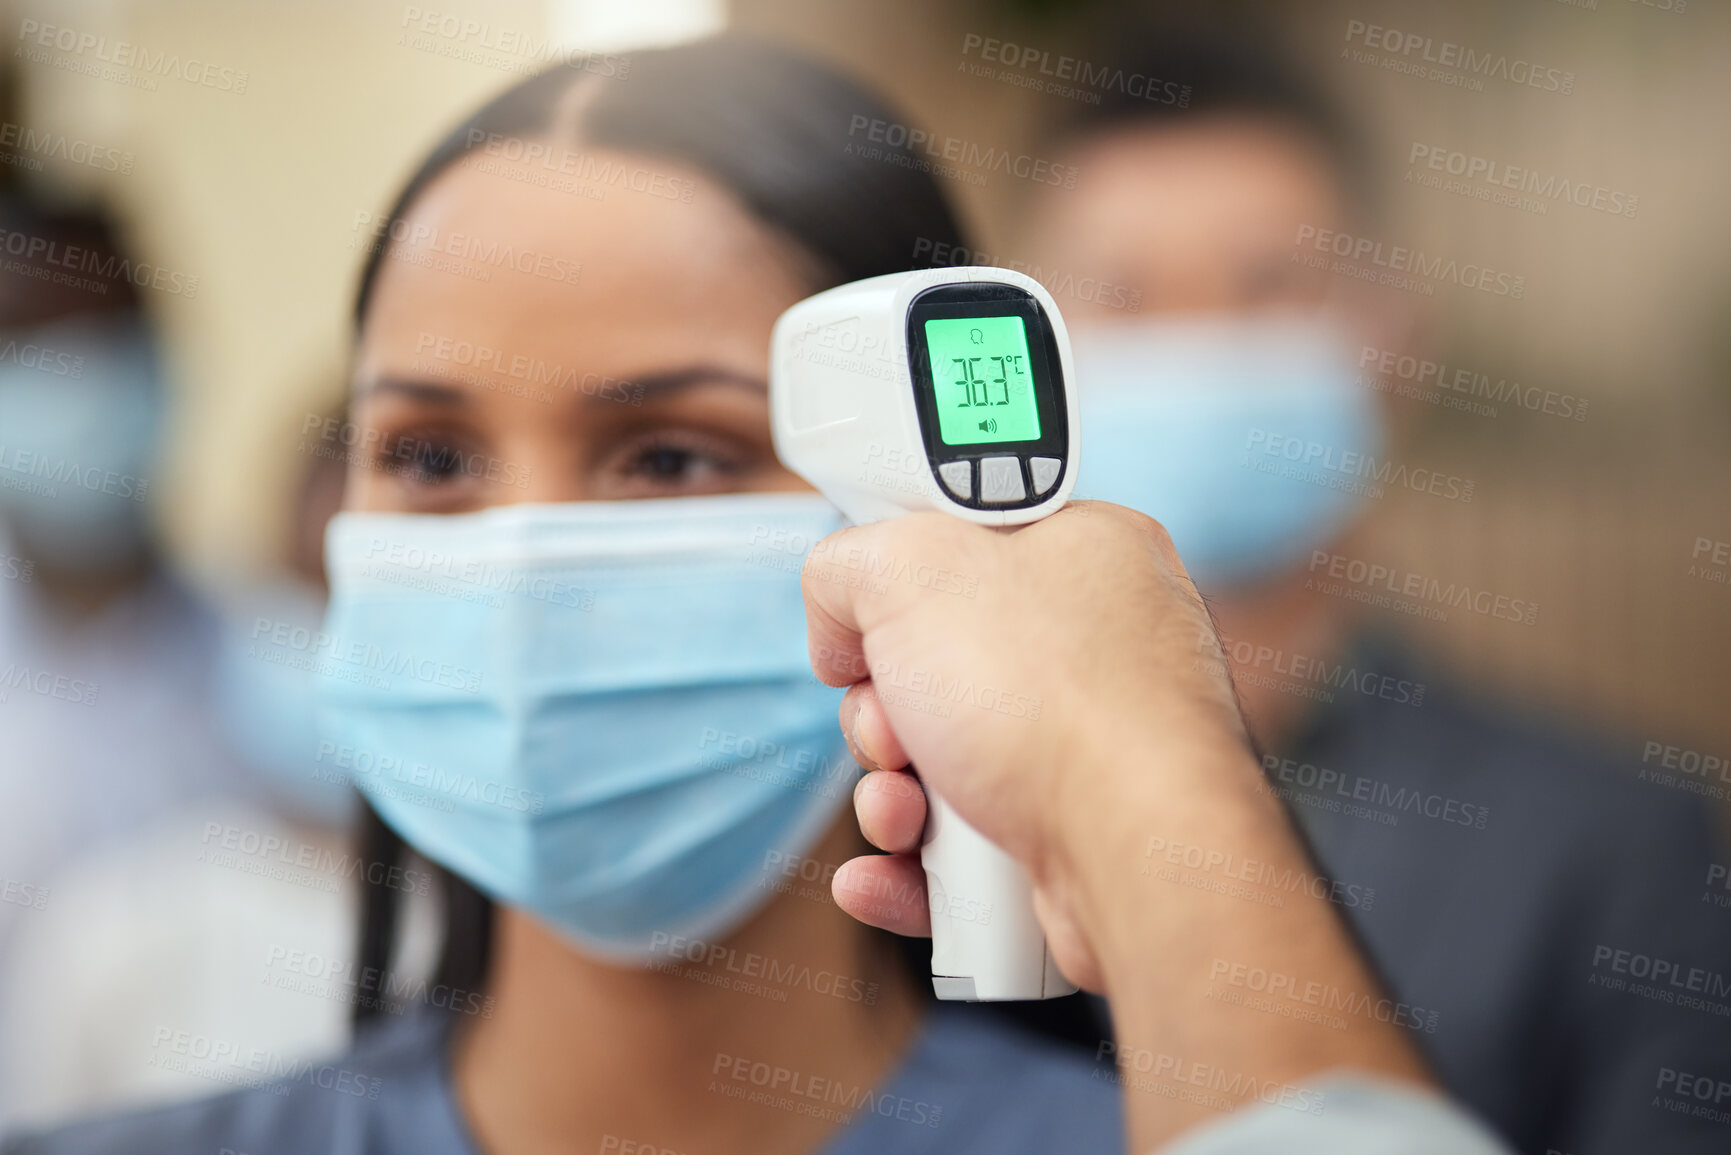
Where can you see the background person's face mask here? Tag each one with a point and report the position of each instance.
(80, 411)
(602, 712)
(1243, 437)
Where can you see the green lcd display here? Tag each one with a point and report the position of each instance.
(985, 391)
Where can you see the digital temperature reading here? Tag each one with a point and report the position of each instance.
(985, 392)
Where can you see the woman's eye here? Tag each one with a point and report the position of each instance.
(678, 463)
(434, 463)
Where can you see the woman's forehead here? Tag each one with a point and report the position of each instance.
(503, 250)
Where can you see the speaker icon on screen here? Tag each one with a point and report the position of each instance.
(989, 425)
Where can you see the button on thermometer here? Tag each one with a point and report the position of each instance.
(940, 389)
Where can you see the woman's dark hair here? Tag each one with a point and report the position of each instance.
(781, 134)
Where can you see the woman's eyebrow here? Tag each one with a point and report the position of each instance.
(654, 386)
(429, 391)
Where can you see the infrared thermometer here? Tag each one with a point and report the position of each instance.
(944, 389)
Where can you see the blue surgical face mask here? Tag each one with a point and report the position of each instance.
(602, 712)
(1245, 438)
(80, 410)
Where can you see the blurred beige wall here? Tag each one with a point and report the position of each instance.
(255, 193)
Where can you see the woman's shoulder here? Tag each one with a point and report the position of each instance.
(389, 1094)
(978, 1083)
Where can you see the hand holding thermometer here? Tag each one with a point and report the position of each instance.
(940, 389)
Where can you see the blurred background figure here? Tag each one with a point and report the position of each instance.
(1485, 859)
(105, 656)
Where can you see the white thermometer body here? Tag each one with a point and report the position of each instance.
(944, 389)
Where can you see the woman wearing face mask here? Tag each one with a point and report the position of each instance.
(565, 660)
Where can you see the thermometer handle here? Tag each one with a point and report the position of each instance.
(987, 946)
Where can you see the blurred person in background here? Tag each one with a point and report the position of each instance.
(1492, 866)
(173, 922)
(106, 657)
(604, 879)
